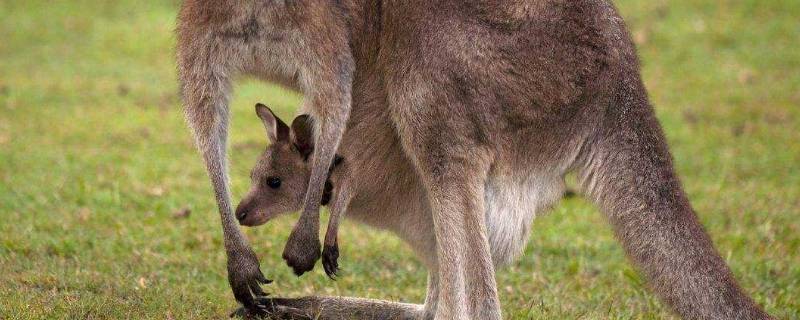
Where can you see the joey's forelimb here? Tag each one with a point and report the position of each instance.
(330, 253)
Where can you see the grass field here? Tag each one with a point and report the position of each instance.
(95, 159)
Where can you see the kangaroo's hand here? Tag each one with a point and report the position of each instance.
(330, 260)
(303, 249)
(245, 278)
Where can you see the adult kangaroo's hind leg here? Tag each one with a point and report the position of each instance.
(339, 308)
(628, 172)
(454, 169)
(336, 308)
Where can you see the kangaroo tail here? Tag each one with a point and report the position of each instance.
(627, 171)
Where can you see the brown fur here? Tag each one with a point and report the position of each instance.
(463, 119)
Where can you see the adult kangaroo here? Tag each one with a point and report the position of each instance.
(490, 103)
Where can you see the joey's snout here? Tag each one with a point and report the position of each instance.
(248, 212)
(243, 210)
(256, 209)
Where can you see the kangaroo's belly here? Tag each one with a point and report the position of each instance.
(511, 203)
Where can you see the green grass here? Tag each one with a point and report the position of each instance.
(95, 158)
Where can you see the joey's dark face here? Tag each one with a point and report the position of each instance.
(279, 179)
(278, 185)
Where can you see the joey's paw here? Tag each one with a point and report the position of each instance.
(245, 278)
(301, 257)
(302, 251)
(330, 260)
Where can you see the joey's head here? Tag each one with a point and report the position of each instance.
(280, 177)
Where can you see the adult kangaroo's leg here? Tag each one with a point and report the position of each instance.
(453, 169)
(431, 296)
(337, 308)
(628, 172)
(205, 85)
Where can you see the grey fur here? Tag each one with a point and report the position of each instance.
(463, 120)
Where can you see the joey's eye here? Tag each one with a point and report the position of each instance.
(274, 182)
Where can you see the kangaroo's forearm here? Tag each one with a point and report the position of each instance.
(205, 95)
(302, 248)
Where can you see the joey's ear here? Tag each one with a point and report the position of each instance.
(303, 134)
(277, 130)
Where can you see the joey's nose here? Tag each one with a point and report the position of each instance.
(241, 212)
